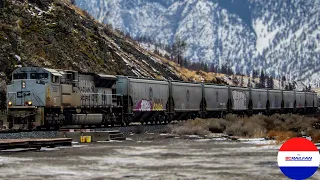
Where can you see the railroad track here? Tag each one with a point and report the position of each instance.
(132, 126)
(316, 115)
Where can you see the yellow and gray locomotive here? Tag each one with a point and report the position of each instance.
(45, 98)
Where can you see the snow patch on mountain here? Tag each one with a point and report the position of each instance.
(281, 37)
(264, 38)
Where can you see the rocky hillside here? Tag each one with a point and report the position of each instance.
(281, 37)
(56, 34)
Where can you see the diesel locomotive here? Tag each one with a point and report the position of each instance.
(50, 98)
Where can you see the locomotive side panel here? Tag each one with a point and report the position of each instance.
(104, 96)
(66, 95)
(186, 96)
(54, 95)
(122, 85)
(216, 97)
(288, 98)
(309, 99)
(148, 95)
(275, 99)
(240, 98)
(259, 99)
(86, 90)
(300, 99)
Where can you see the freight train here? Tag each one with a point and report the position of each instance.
(50, 98)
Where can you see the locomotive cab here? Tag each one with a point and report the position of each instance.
(27, 95)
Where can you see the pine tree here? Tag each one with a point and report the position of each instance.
(255, 74)
(262, 80)
(186, 63)
(202, 65)
(293, 85)
(249, 82)
(283, 80)
(206, 68)
(178, 49)
(286, 87)
(290, 87)
(212, 67)
(270, 83)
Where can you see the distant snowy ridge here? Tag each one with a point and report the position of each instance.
(282, 37)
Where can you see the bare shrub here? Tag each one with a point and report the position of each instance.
(316, 137)
(246, 128)
(232, 117)
(191, 127)
(281, 136)
(217, 125)
(235, 129)
(299, 124)
(195, 130)
(279, 127)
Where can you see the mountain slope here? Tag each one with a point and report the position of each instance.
(282, 37)
(56, 34)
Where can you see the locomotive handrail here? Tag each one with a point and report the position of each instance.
(37, 99)
(94, 100)
(10, 97)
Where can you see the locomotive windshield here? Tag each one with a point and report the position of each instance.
(20, 76)
(39, 76)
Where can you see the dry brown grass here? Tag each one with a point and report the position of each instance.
(316, 136)
(278, 127)
(190, 75)
(281, 136)
(195, 127)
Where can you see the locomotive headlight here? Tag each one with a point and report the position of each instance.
(29, 103)
(23, 85)
(10, 103)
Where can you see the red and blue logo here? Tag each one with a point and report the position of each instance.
(298, 158)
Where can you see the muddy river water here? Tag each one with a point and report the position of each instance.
(147, 158)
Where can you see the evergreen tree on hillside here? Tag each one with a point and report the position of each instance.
(309, 88)
(262, 80)
(290, 87)
(206, 67)
(255, 74)
(178, 49)
(270, 82)
(283, 80)
(202, 65)
(186, 63)
(212, 68)
(249, 82)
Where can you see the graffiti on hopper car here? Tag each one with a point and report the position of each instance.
(146, 105)
(239, 99)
